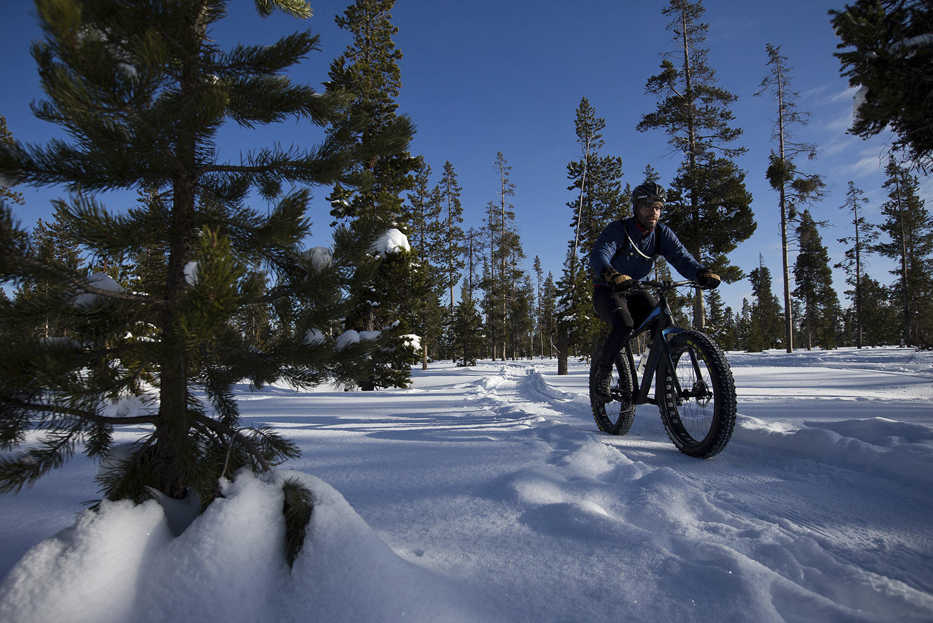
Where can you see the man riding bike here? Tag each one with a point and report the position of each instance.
(623, 254)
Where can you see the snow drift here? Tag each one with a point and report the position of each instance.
(122, 565)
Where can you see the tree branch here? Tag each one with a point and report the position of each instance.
(85, 415)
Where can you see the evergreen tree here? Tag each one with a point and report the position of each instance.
(793, 186)
(422, 219)
(718, 318)
(549, 313)
(368, 200)
(872, 323)
(467, 336)
(765, 329)
(503, 246)
(598, 200)
(595, 180)
(142, 90)
(51, 248)
(814, 290)
(908, 227)
(521, 320)
(861, 239)
(743, 324)
(5, 191)
(887, 52)
(712, 212)
(539, 335)
(453, 242)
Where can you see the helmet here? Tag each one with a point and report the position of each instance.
(649, 191)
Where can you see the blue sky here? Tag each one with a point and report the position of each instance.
(481, 77)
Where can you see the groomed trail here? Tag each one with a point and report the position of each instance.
(495, 481)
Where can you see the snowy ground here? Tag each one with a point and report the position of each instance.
(487, 494)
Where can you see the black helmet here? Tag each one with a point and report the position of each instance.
(649, 191)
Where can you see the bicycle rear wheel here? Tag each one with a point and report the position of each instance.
(607, 419)
(700, 420)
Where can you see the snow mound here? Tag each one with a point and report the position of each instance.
(122, 564)
(878, 444)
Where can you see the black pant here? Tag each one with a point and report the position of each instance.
(622, 311)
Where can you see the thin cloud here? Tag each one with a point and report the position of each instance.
(837, 145)
(847, 95)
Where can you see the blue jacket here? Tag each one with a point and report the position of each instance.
(613, 248)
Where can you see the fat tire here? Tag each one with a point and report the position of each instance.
(724, 401)
(601, 410)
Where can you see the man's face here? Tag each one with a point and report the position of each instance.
(648, 214)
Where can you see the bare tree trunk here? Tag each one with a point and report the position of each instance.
(788, 310)
(699, 316)
(906, 294)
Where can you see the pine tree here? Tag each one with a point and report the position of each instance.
(766, 324)
(5, 191)
(718, 319)
(453, 245)
(549, 313)
(886, 50)
(598, 200)
(368, 200)
(51, 248)
(743, 323)
(142, 90)
(539, 335)
(504, 250)
(872, 324)
(909, 230)
(467, 340)
(712, 212)
(595, 180)
(793, 186)
(814, 290)
(861, 240)
(422, 220)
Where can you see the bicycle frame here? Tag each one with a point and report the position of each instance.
(661, 321)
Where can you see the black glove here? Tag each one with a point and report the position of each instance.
(707, 279)
(617, 280)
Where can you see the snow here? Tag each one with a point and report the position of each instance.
(320, 258)
(487, 494)
(345, 339)
(314, 337)
(412, 340)
(918, 41)
(191, 273)
(389, 242)
(100, 281)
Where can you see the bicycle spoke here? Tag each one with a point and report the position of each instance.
(696, 409)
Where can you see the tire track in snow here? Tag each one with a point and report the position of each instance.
(590, 488)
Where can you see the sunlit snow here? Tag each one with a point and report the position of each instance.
(389, 242)
(487, 494)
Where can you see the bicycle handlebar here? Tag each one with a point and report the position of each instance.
(662, 285)
(666, 285)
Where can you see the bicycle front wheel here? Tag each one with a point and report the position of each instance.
(699, 418)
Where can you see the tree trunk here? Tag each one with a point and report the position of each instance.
(788, 310)
(563, 352)
(171, 430)
(699, 316)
